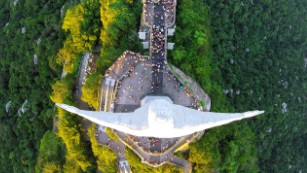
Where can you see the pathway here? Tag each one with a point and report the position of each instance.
(78, 93)
(182, 163)
(118, 147)
(158, 47)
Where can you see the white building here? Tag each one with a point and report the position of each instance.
(170, 46)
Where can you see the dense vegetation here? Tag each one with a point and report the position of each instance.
(230, 148)
(245, 54)
(30, 37)
(51, 153)
(120, 20)
(82, 24)
(259, 49)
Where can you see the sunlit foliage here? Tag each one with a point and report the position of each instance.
(106, 158)
(51, 154)
(83, 25)
(91, 90)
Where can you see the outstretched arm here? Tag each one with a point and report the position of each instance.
(160, 119)
(193, 120)
(118, 121)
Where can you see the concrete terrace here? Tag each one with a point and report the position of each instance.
(130, 79)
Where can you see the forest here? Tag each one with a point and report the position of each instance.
(245, 54)
(255, 51)
(259, 48)
(30, 38)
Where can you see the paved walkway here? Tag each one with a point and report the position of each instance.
(118, 147)
(81, 105)
(169, 9)
(82, 74)
(158, 47)
(134, 85)
(182, 163)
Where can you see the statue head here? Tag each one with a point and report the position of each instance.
(160, 114)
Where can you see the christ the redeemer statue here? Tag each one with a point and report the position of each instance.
(161, 119)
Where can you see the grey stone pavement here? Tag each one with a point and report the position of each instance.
(124, 63)
(117, 146)
(182, 163)
(194, 89)
(169, 9)
(158, 47)
(137, 83)
(82, 74)
(77, 95)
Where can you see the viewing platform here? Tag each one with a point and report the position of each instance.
(133, 77)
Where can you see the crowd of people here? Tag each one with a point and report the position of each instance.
(144, 77)
(130, 91)
(158, 43)
(155, 13)
(127, 61)
(158, 39)
(168, 7)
